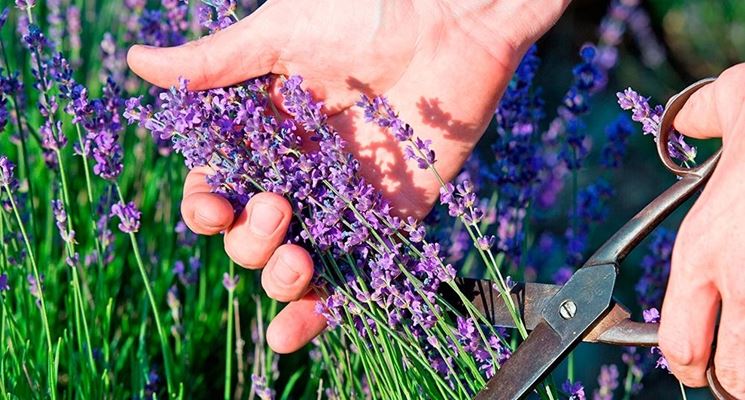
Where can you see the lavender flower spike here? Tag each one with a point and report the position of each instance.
(230, 283)
(4, 286)
(6, 172)
(129, 216)
(650, 118)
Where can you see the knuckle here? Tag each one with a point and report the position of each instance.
(734, 74)
(242, 256)
(678, 352)
(732, 378)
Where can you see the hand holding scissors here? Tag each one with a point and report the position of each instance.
(583, 309)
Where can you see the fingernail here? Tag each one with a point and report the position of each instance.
(206, 220)
(284, 273)
(264, 219)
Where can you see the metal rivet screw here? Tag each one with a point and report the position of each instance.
(568, 309)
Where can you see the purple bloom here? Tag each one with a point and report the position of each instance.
(72, 17)
(258, 385)
(485, 242)
(607, 383)
(650, 118)
(219, 14)
(652, 316)
(4, 16)
(360, 260)
(655, 269)
(574, 391)
(7, 178)
(35, 287)
(25, 4)
(617, 133)
(60, 216)
(230, 283)
(4, 286)
(129, 216)
(380, 112)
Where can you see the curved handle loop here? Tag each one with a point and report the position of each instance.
(673, 107)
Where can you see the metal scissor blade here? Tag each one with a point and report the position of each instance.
(567, 316)
(530, 299)
(615, 327)
(535, 358)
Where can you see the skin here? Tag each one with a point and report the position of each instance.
(443, 65)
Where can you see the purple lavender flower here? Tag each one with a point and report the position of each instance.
(4, 286)
(35, 287)
(129, 216)
(574, 391)
(614, 150)
(54, 21)
(258, 385)
(607, 383)
(7, 178)
(652, 316)
(60, 216)
(485, 242)
(234, 132)
(655, 269)
(25, 4)
(230, 283)
(650, 118)
(72, 17)
(153, 384)
(380, 112)
(653, 52)
(4, 16)
(52, 138)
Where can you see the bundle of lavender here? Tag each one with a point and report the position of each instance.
(378, 275)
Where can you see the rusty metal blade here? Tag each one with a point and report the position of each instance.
(567, 316)
(530, 299)
(533, 360)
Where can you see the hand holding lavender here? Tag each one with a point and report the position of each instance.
(406, 51)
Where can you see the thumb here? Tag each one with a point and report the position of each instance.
(247, 49)
(699, 117)
(715, 109)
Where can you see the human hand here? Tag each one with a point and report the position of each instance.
(442, 64)
(708, 257)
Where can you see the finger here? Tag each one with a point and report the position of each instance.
(687, 324)
(699, 117)
(246, 49)
(715, 109)
(296, 325)
(204, 212)
(728, 361)
(288, 273)
(258, 230)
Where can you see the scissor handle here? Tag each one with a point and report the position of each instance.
(692, 179)
(665, 129)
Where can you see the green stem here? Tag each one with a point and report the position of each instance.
(70, 246)
(24, 148)
(229, 339)
(151, 298)
(42, 302)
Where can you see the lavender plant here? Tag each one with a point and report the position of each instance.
(106, 293)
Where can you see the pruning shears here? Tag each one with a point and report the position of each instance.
(583, 309)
